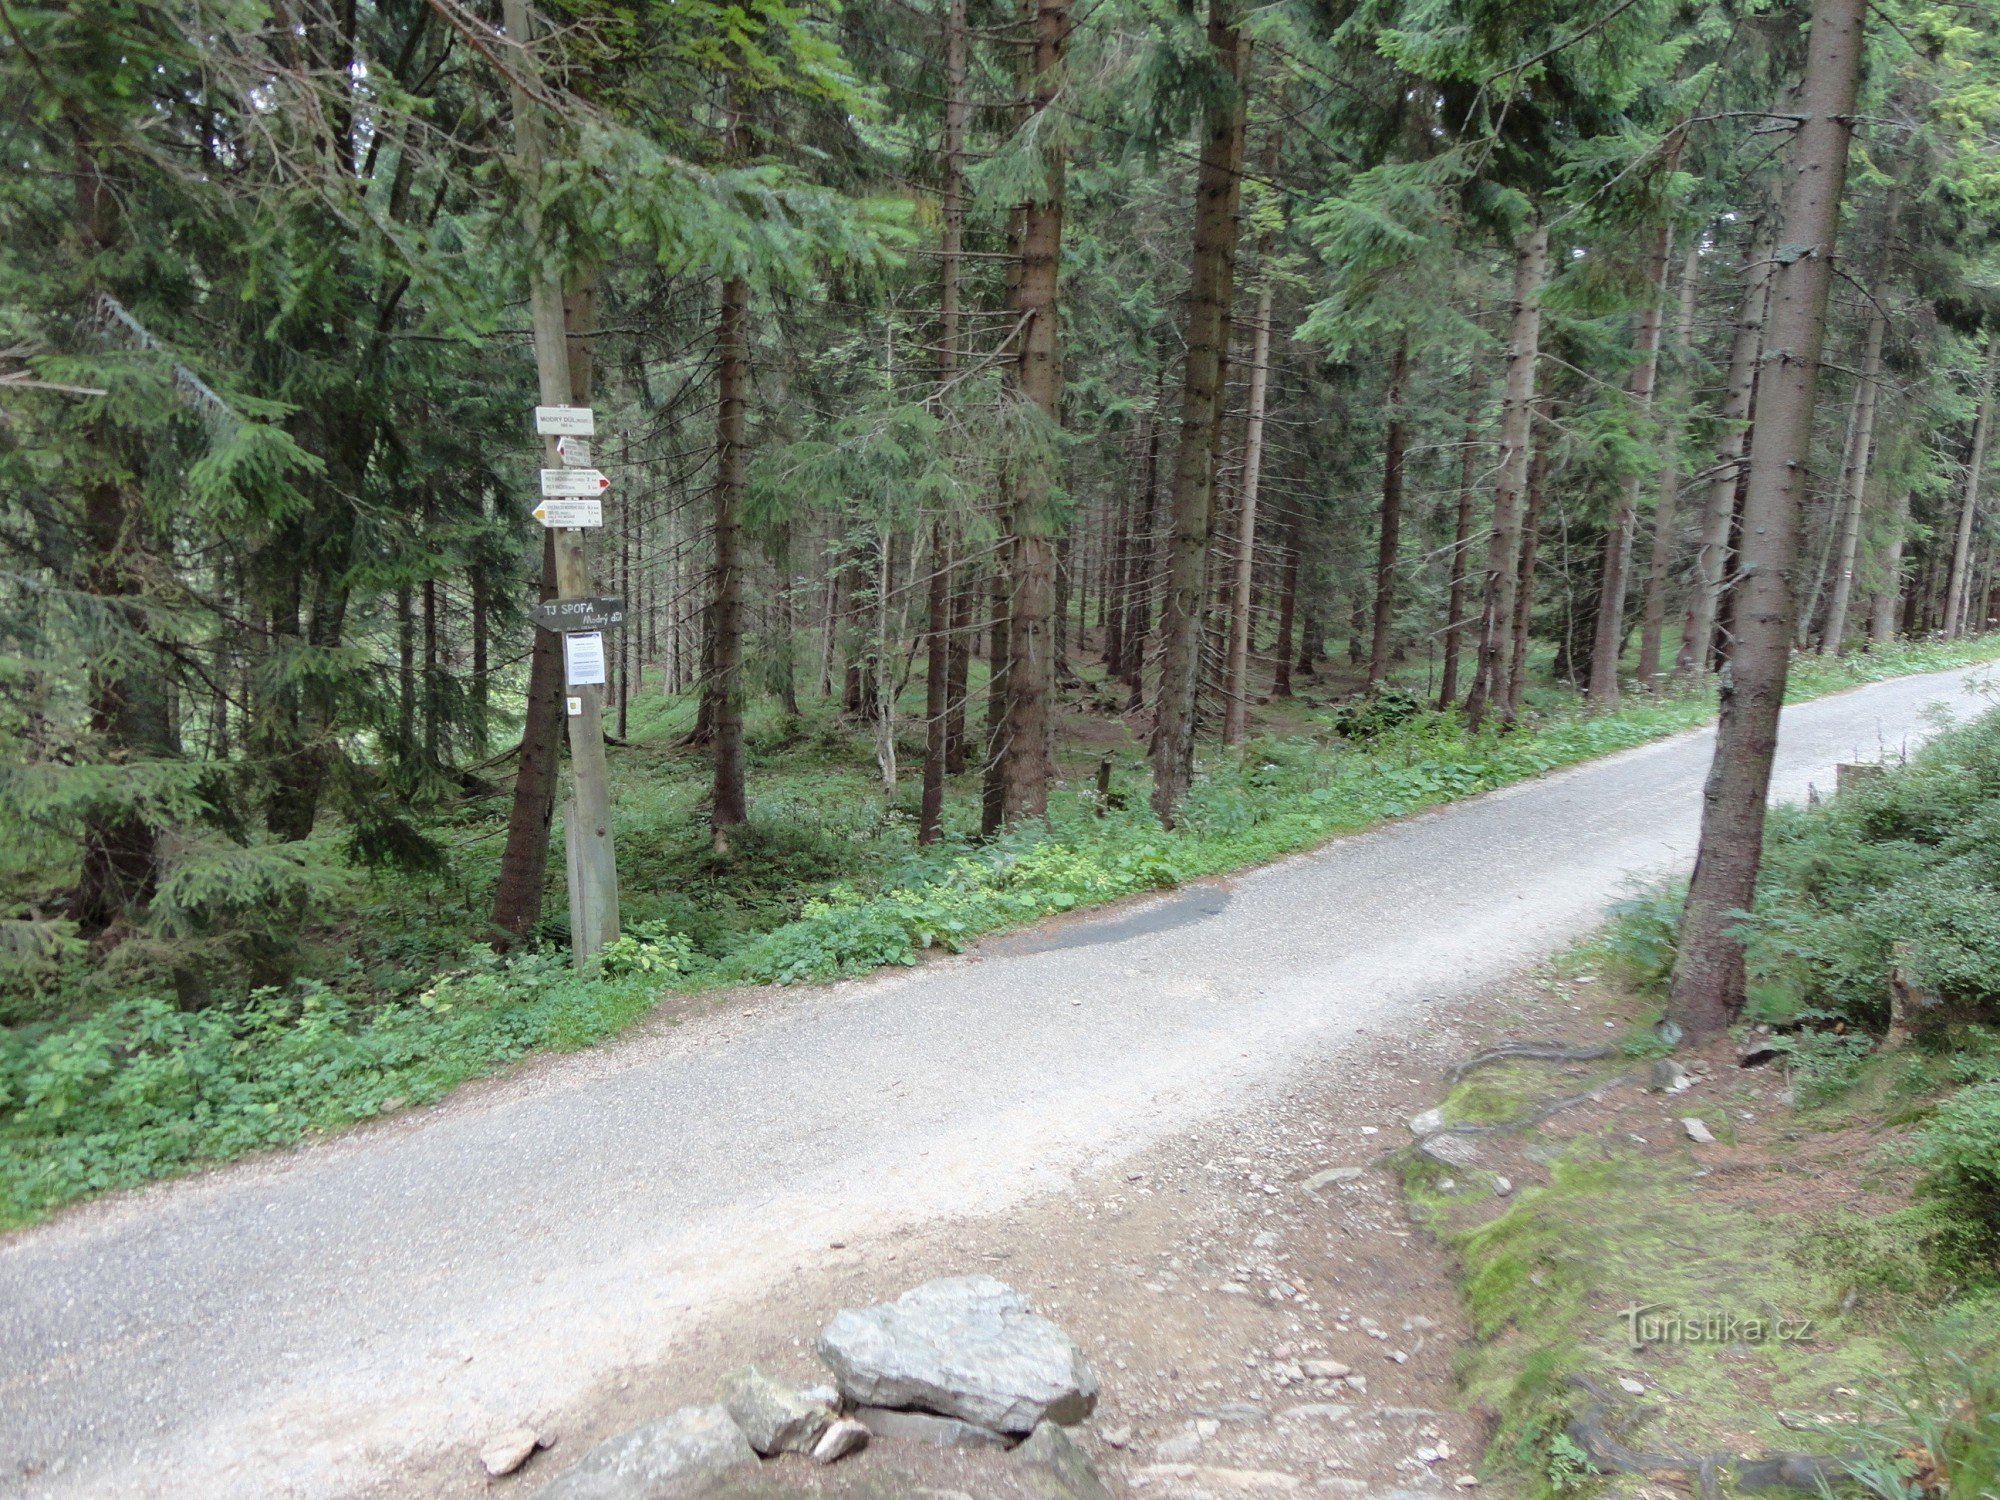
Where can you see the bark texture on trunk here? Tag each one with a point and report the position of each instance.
(524, 860)
(1146, 560)
(1461, 544)
(1389, 533)
(1861, 441)
(1024, 763)
(941, 603)
(1886, 617)
(1613, 582)
(1492, 686)
(1667, 506)
(1524, 589)
(1957, 590)
(1218, 183)
(1708, 979)
(120, 868)
(1718, 515)
(1238, 689)
(722, 688)
(1288, 605)
(999, 660)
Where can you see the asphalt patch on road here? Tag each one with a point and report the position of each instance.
(1194, 904)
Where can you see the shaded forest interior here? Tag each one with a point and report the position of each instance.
(995, 403)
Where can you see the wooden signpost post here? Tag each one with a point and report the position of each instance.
(570, 507)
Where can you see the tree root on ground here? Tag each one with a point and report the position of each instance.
(1800, 1471)
(1533, 1052)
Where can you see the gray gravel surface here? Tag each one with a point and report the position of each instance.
(318, 1321)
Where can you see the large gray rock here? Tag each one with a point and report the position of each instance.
(964, 1346)
(1059, 1469)
(775, 1417)
(687, 1452)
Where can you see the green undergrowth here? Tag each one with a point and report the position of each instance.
(1857, 1192)
(108, 1080)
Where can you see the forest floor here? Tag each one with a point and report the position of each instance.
(603, 1233)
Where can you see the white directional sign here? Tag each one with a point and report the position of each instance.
(558, 513)
(573, 482)
(583, 659)
(565, 421)
(574, 452)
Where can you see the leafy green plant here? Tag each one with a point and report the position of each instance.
(1567, 1466)
(1825, 1063)
(647, 949)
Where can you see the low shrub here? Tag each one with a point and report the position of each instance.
(1959, 1149)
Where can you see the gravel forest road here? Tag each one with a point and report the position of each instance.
(318, 1322)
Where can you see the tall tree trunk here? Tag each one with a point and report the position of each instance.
(958, 667)
(951, 244)
(406, 676)
(1000, 664)
(1492, 685)
(1237, 691)
(1861, 443)
(1886, 615)
(1708, 980)
(477, 586)
(1118, 554)
(937, 687)
(120, 868)
(1037, 377)
(1288, 606)
(433, 705)
(722, 688)
(1389, 533)
(1956, 593)
(886, 637)
(1461, 543)
(788, 620)
(1666, 508)
(1218, 184)
(1613, 583)
(524, 860)
(1711, 571)
(1524, 589)
(1146, 560)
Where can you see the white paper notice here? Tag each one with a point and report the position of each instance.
(583, 658)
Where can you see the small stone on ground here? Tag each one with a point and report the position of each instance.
(683, 1453)
(507, 1452)
(843, 1437)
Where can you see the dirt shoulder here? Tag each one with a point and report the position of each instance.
(1218, 1283)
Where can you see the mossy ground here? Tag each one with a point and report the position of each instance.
(1797, 1223)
